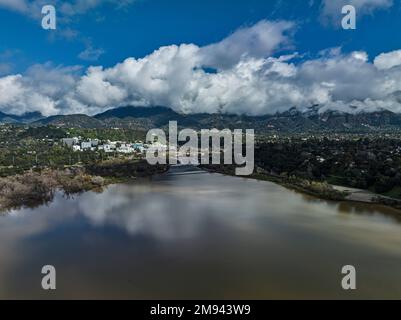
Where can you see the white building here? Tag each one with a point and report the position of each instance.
(126, 148)
(86, 145)
(109, 148)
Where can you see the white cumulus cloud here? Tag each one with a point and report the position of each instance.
(388, 60)
(258, 41)
(253, 78)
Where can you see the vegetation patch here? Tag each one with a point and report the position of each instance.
(34, 188)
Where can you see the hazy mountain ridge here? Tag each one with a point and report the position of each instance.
(24, 118)
(293, 120)
(70, 121)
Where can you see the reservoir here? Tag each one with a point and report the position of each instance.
(189, 234)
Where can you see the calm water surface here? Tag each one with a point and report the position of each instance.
(201, 235)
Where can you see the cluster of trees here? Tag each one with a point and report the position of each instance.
(43, 154)
(366, 163)
(125, 169)
(29, 189)
(33, 188)
(120, 134)
(23, 148)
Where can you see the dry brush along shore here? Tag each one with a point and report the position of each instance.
(34, 188)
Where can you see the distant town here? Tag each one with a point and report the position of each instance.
(80, 144)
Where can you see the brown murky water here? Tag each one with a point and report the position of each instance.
(200, 236)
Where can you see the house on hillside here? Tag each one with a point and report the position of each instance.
(86, 145)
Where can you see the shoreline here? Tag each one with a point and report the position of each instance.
(320, 190)
(32, 189)
(39, 188)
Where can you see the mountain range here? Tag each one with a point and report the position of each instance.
(145, 118)
(28, 117)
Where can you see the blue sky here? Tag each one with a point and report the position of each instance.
(106, 32)
(145, 25)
